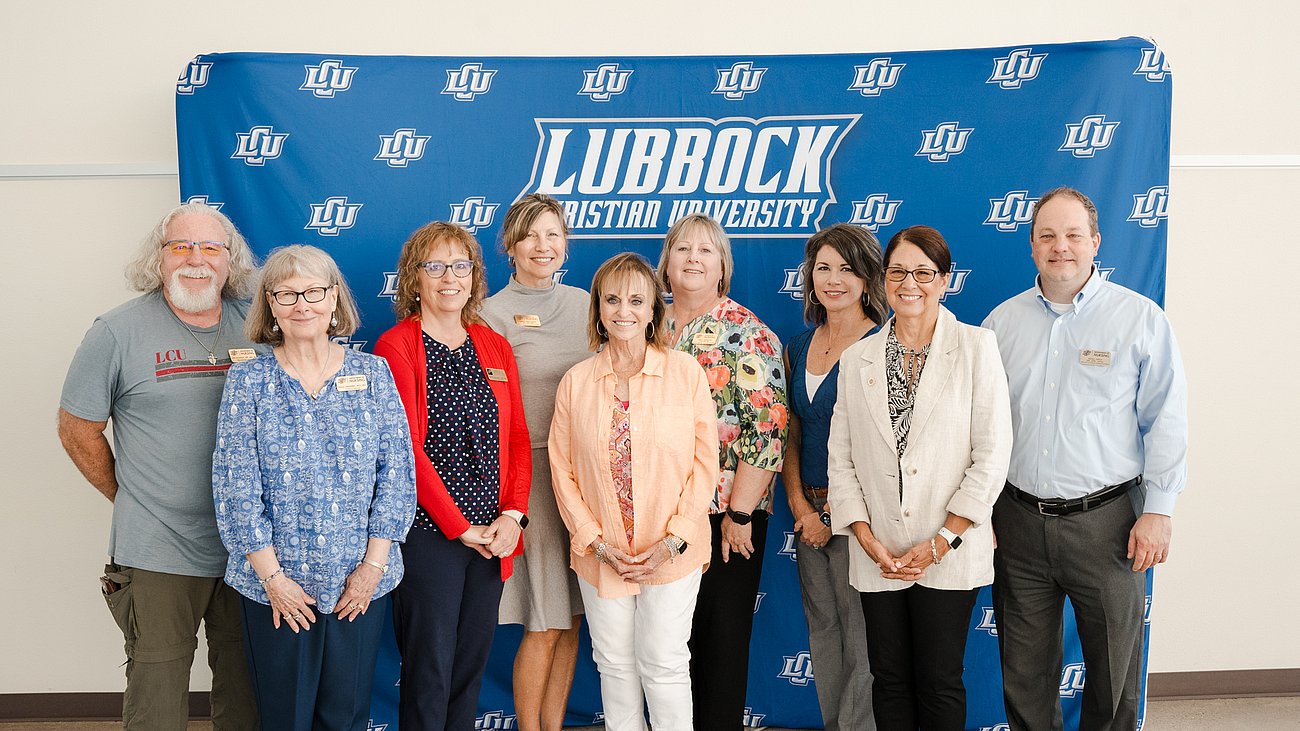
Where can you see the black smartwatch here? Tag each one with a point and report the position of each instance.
(738, 517)
(826, 519)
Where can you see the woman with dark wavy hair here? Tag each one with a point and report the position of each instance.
(844, 300)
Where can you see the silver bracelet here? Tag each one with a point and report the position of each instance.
(383, 567)
(274, 574)
(934, 553)
(600, 553)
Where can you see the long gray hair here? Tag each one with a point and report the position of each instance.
(144, 272)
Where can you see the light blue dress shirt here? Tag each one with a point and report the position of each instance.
(1098, 394)
(314, 478)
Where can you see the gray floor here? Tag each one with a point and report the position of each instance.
(1255, 714)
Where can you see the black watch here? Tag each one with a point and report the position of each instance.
(523, 522)
(738, 517)
(826, 519)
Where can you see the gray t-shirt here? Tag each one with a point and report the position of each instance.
(139, 367)
(547, 329)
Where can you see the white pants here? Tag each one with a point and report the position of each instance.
(639, 645)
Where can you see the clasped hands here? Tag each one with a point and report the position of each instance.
(907, 566)
(638, 568)
(497, 540)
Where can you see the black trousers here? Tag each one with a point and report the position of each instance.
(317, 679)
(1041, 560)
(916, 641)
(444, 618)
(724, 618)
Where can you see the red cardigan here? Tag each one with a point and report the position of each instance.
(403, 348)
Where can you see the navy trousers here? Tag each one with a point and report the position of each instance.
(444, 617)
(318, 679)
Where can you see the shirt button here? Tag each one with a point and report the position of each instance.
(907, 513)
(1044, 451)
(1056, 352)
(1051, 385)
(912, 471)
(1047, 418)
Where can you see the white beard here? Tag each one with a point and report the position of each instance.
(187, 300)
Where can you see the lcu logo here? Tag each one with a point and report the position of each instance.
(372, 726)
(401, 147)
(259, 144)
(1151, 207)
(468, 81)
(390, 286)
(334, 215)
(988, 622)
(788, 547)
(874, 211)
(474, 213)
(741, 79)
(793, 286)
(998, 727)
(605, 81)
(1092, 133)
(1146, 610)
(879, 74)
(940, 143)
(1072, 680)
(204, 200)
(1153, 65)
(798, 669)
(1017, 67)
(349, 343)
(558, 276)
(1011, 211)
(194, 76)
(751, 719)
(956, 282)
(758, 601)
(327, 78)
(494, 720)
(1103, 272)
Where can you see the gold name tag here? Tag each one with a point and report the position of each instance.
(496, 374)
(528, 321)
(239, 355)
(350, 383)
(704, 339)
(1094, 357)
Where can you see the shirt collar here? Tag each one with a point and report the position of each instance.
(655, 360)
(1085, 295)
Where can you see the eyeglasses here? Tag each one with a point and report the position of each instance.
(289, 298)
(181, 247)
(921, 276)
(461, 268)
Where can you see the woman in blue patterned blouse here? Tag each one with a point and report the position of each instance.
(314, 484)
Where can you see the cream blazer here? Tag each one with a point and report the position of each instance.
(956, 459)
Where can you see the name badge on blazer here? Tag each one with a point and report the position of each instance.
(496, 374)
(351, 383)
(528, 321)
(239, 355)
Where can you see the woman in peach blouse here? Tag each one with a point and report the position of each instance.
(634, 461)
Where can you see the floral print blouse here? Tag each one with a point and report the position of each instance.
(313, 478)
(741, 358)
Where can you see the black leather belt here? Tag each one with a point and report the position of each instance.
(814, 492)
(1056, 507)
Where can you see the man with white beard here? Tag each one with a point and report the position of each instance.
(156, 367)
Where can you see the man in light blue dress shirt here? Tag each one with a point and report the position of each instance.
(1099, 410)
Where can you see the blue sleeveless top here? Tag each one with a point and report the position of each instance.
(815, 414)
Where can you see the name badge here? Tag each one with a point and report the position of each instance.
(239, 355)
(496, 374)
(350, 383)
(706, 338)
(1094, 357)
(528, 321)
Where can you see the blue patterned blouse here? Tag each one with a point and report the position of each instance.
(314, 478)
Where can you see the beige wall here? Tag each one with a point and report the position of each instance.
(86, 83)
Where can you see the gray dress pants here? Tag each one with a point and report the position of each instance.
(837, 636)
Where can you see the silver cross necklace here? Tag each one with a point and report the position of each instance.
(212, 352)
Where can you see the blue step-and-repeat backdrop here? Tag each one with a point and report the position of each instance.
(352, 153)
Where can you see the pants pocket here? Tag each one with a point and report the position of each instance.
(115, 585)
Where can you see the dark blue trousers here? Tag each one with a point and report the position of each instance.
(318, 679)
(444, 617)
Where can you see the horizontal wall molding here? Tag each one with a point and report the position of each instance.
(1160, 687)
(60, 171)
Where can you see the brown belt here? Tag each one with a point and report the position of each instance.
(814, 492)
